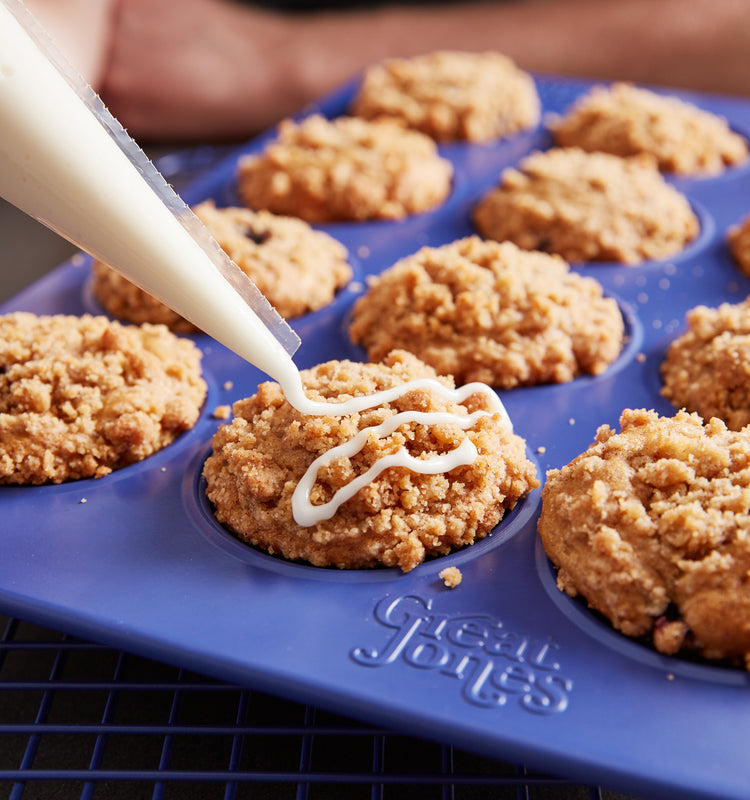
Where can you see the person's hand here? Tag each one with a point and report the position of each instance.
(183, 69)
(80, 30)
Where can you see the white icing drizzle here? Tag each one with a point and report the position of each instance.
(297, 398)
(307, 514)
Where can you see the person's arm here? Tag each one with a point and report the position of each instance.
(699, 44)
(207, 69)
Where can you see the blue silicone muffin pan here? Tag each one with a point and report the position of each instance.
(503, 665)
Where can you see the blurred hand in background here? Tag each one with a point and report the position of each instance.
(182, 71)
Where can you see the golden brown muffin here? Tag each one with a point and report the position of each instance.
(345, 169)
(738, 241)
(588, 207)
(397, 519)
(625, 120)
(707, 370)
(650, 526)
(451, 95)
(82, 396)
(491, 312)
(297, 268)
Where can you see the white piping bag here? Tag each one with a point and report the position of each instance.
(67, 162)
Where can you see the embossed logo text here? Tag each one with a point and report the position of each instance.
(495, 666)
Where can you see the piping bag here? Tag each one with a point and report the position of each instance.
(67, 162)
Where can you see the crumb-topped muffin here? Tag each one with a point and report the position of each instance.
(625, 120)
(707, 369)
(345, 169)
(650, 525)
(738, 241)
(82, 396)
(400, 516)
(451, 95)
(491, 312)
(588, 207)
(297, 268)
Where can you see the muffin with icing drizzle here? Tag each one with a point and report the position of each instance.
(281, 480)
(297, 268)
(492, 312)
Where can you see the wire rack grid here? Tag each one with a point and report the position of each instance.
(81, 720)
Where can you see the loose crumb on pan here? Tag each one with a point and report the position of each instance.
(451, 576)
(222, 412)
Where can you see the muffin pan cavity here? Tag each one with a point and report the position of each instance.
(599, 629)
(200, 510)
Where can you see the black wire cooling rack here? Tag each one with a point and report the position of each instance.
(81, 720)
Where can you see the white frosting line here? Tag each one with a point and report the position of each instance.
(317, 407)
(307, 514)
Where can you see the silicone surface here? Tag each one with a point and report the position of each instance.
(504, 665)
